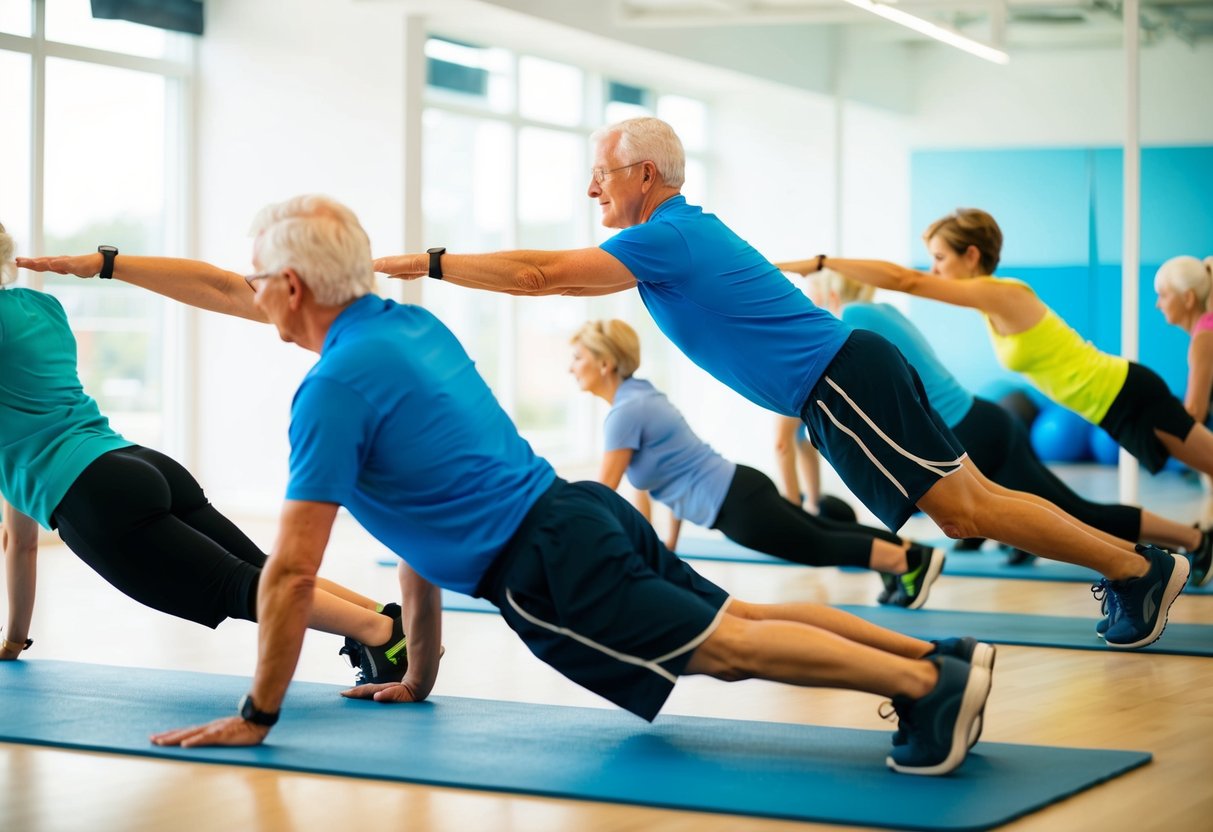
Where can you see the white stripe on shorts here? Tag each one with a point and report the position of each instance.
(653, 664)
(934, 467)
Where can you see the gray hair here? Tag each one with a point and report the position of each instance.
(1184, 274)
(648, 139)
(323, 241)
(8, 269)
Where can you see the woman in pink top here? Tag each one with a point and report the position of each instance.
(1183, 285)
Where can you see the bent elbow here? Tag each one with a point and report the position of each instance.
(530, 280)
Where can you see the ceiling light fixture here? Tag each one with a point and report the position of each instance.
(933, 30)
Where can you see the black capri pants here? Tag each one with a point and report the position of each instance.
(1000, 447)
(756, 516)
(141, 521)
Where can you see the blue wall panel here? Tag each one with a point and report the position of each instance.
(1061, 212)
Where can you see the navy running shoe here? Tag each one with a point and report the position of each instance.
(1144, 602)
(1107, 605)
(938, 726)
(1202, 559)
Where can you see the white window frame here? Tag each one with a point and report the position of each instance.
(180, 182)
(586, 444)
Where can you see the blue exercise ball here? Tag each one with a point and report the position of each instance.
(1060, 435)
(1104, 448)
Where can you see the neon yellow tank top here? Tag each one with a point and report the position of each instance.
(1063, 366)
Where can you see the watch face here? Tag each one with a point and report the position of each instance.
(107, 249)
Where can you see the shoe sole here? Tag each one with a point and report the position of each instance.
(1208, 576)
(1175, 585)
(938, 556)
(983, 656)
(972, 705)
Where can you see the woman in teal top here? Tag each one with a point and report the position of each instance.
(131, 513)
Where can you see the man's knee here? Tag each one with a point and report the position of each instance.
(727, 653)
(959, 505)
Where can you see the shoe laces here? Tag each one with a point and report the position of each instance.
(353, 651)
(1106, 595)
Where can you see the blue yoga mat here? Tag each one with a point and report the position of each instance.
(979, 564)
(996, 627)
(800, 772)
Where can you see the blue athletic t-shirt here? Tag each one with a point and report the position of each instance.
(727, 307)
(668, 459)
(394, 423)
(950, 400)
(50, 429)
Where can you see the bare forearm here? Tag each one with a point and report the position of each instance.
(284, 602)
(423, 626)
(20, 541)
(191, 282)
(879, 273)
(522, 272)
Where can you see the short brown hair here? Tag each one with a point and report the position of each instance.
(966, 227)
(612, 340)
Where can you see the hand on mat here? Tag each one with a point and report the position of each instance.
(81, 265)
(231, 730)
(391, 692)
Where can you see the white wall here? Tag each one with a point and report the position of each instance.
(1061, 98)
(294, 98)
(309, 97)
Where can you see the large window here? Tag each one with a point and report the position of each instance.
(506, 165)
(90, 154)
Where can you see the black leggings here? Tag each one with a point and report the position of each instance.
(756, 516)
(141, 521)
(999, 446)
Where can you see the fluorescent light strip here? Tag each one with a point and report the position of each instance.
(932, 30)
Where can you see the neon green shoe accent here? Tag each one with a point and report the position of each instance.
(396, 649)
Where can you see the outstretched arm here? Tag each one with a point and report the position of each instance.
(20, 541)
(1003, 301)
(586, 271)
(191, 282)
(284, 602)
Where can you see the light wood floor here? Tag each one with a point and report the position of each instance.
(1160, 704)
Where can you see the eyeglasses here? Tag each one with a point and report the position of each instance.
(251, 279)
(600, 175)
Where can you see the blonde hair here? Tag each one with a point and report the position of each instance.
(966, 227)
(323, 241)
(1187, 274)
(648, 139)
(611, 340)
(8, 269)
(828, 281)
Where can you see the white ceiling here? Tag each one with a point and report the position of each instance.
(1013, 23)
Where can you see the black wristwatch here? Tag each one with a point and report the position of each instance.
(249, 711)
(108, 253)
(436, 261)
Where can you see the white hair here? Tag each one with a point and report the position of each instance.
(8, 269)
(648, 139)
(322, 240)
(1187, 274)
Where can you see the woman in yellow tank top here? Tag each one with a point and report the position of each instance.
(1129, 401)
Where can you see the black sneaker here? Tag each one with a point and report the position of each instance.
(914, 586)
(938, 726)
(968, 544)
(385, 663)
(891, 585)
(1202, 559)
